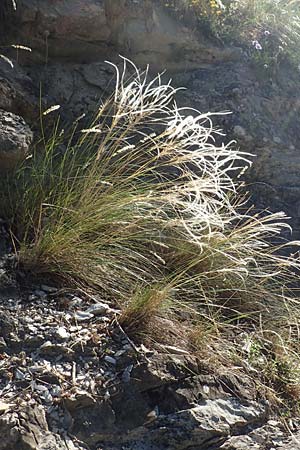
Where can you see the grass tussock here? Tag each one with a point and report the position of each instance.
(144, 207)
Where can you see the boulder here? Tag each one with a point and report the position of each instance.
(27, 429)
(15, 139)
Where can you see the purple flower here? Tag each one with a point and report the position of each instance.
(257, 45)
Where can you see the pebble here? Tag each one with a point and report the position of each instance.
(4, 406)
(40, 293)
(106, 396)
(206, 389)
(74, 328)
(98, 308)
(126, 374)
(110, 360)
(46, 344)
(76, 300)
(49, 289)
(56, 391)
(273, 423)
(62, 333)
(46, 396)
(81, 316)
(120, 353)
(19, 375)
(40, 388)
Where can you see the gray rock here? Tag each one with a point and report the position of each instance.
(18, 94)
(79, 400)
(86, 30)
(62, 333)
(15, 140)
(98, 308)
(110, 360)
(82, 316)
(27, 429)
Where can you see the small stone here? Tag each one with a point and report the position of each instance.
(81, 316)
(49, 289)
(277, 140)
(46, 396)
(82, 399)
(74, 328)
(98, 308)
(110, 360)
(126, 374)
(19, 375)
(40, 293)
(62, 333)
(106, 396)
(76, 300)
(56, 391)
(120, 353)
(273, 423)
(32, 328)
(55, 349)
(206, 389)
(40, 388)
(46, 344)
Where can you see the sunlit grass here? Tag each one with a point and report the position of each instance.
(269, 30)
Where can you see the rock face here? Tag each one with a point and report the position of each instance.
(27, 429)
(91, 30)
(15, 139)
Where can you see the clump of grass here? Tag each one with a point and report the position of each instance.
(143, 207)
(140, 181)
(141, 312)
